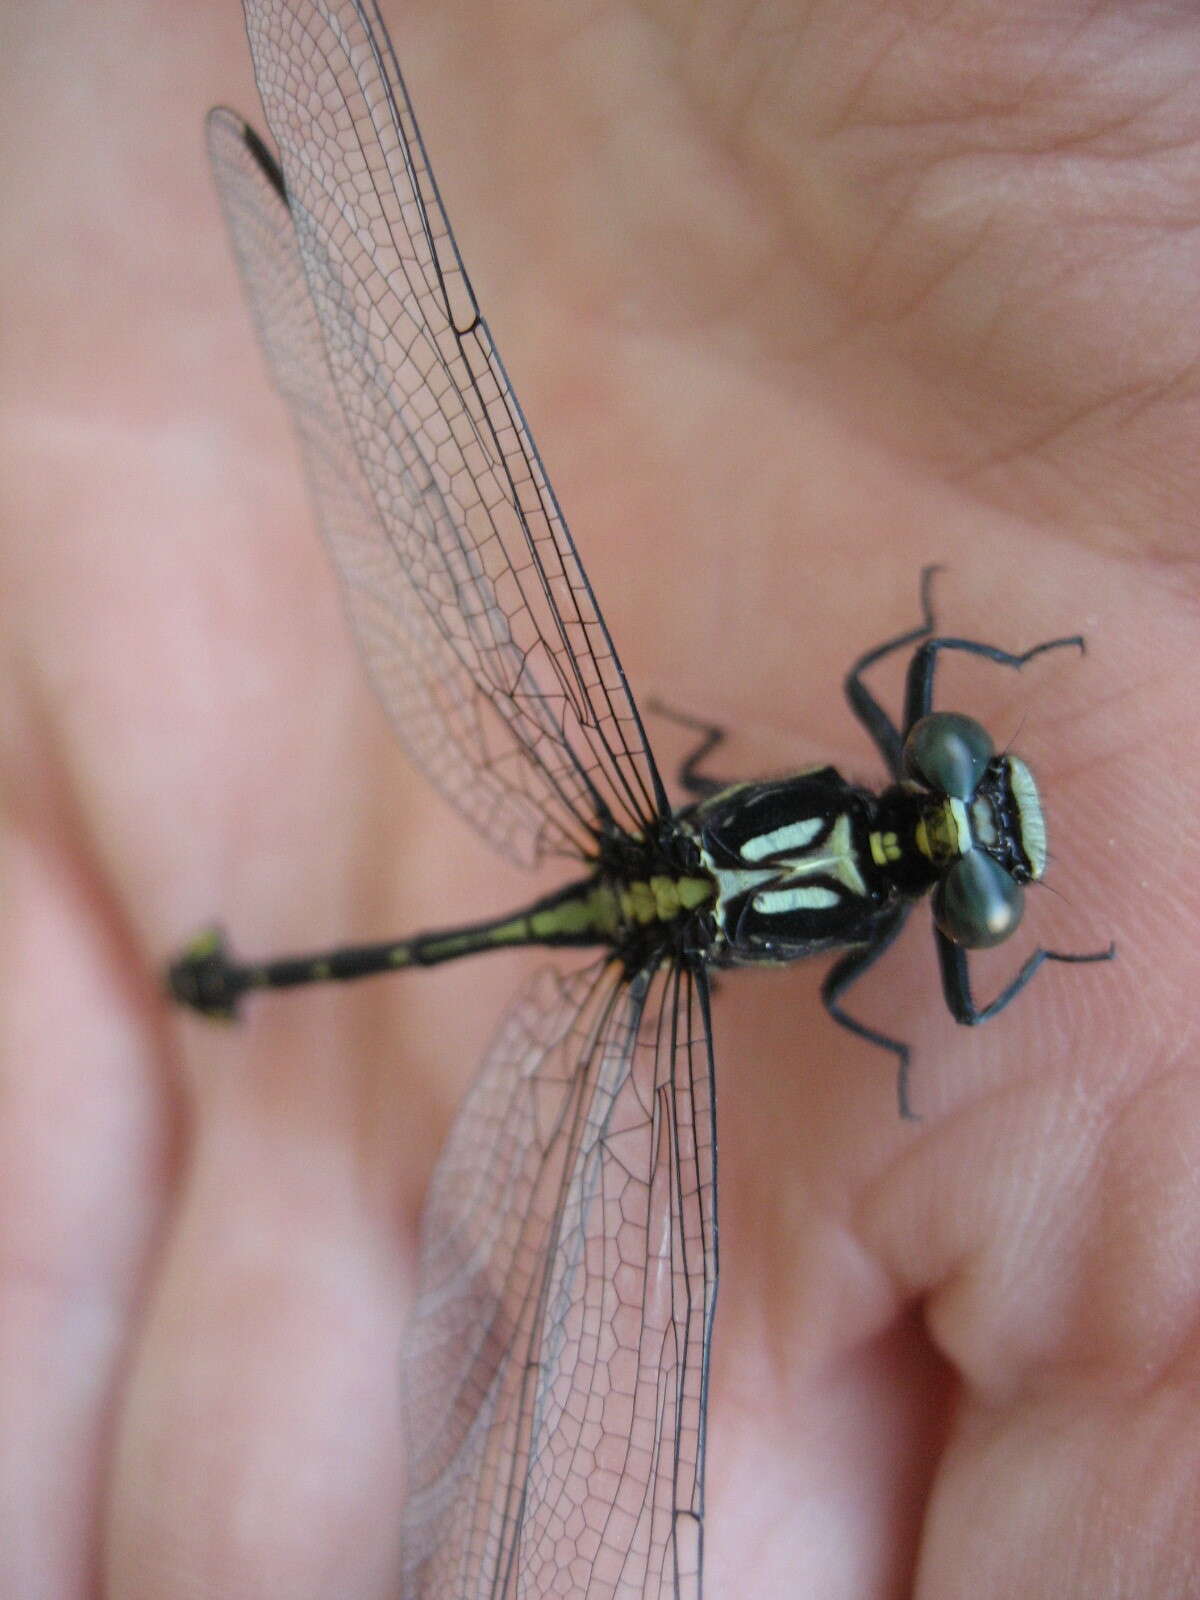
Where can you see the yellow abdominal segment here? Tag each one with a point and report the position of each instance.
(602, 909)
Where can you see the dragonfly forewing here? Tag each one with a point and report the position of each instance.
(462, 577)
(434, 701)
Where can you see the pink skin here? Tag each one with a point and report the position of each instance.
(796, 301)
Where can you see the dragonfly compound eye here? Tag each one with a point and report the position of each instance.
(977, 904)
(948, 752)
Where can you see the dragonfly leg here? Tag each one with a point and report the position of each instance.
(918, 698)
(846, 972)
(883, 731)
(956, 978)
(696, 783)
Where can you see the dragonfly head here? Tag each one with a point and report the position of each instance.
(981, 827)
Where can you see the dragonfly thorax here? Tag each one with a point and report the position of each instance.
(793, 866)
(812, 862)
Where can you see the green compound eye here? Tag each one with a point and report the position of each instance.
(977, 904)
(948, 752)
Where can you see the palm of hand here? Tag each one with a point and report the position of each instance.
(839, 299)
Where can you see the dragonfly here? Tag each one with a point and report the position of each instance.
(556, 1365)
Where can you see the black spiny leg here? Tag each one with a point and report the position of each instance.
(918, 697)
(884, 733)
(698, 784)
(848, 971)
(956, 978)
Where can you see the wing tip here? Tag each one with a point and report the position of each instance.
(224, 126)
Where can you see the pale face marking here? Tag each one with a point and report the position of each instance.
(1031, 822)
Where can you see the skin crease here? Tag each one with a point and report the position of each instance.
(797, 300)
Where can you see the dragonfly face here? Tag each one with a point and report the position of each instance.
(981, 828)
(556, 1366)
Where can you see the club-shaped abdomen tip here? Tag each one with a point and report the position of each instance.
(200, 978)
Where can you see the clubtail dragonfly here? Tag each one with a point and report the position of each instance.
(556, 1365)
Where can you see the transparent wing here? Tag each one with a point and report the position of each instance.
(556, 1365)
(431, 697)
(477, 620)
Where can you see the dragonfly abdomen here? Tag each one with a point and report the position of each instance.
(628, 912)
